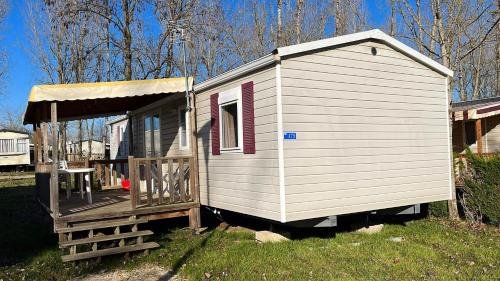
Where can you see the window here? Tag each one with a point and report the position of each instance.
(183, 129)
(152, 135)
(22, 145)
(8, 146)
(230, 120)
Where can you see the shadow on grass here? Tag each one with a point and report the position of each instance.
(26, 228)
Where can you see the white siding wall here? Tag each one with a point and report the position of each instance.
(371, 132)
(245, 183)
(115, 143)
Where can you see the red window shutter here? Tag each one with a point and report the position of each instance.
(214, 123)
(248, 118)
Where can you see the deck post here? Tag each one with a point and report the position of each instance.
(54, 181)
(130, 137)
(131, 178)
(194, 213)
(479, 137)
(39, 151)
(35, 144)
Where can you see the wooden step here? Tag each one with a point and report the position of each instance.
(110, 251)
(103, 238)
(99, 225)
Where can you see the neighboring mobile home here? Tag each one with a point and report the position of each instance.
(99, 150)
(14, 149)
(343, 125)
(476, 124)
(119, 137)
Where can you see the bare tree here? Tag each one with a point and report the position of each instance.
(12, 120)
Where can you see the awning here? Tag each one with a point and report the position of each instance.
(88, 100)
(478, 109)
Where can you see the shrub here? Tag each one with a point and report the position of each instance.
(438, 209)
(481, 194)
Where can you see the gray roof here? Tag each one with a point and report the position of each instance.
(474, 104)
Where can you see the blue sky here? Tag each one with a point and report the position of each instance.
(23, 73)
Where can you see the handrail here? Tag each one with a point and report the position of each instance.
(161, 158)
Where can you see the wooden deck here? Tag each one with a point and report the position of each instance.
(107, 201)
(115, 204)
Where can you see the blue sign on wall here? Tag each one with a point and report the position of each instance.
(290, 135)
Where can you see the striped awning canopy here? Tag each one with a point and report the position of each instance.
(477, 109)
(88, 100)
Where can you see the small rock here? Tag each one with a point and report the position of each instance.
(356, 244)
(396, 239)
(223, 226)
(200, 230)
(371, 229)
(268, 236)
(102, 271)
(207, 275)
(472, 263)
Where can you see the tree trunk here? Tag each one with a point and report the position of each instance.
(452, 204)
(127, 41)
(392, 30)
(280, 27)
(298, 21)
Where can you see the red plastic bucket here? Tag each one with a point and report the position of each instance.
(126, 185)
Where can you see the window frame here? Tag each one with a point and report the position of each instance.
(187, 122)
(229, 97)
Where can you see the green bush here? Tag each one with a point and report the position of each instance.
(481, 196)
(438, 209)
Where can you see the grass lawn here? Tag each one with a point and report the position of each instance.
(431, 249)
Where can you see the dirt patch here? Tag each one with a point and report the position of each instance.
(144, 273)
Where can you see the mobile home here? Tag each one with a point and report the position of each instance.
(99, 150)
(350, 124)
(119, 137)
(14, 149)
(476, 125)
(343, 125)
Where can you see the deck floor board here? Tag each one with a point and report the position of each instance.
(113, 203)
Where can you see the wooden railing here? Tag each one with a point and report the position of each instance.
(107, 172)
(161, 181)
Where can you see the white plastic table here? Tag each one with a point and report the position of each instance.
(85, 172)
